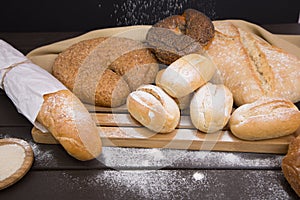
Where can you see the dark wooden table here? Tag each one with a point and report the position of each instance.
(137, 173)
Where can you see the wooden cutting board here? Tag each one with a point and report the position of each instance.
(118, 128)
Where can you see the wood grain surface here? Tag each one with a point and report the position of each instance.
(117, 128)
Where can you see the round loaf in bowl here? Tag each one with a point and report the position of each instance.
(103, 71)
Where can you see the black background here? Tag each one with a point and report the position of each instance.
(73, 15)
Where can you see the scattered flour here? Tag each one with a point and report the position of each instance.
(198, 176)
(42, 157)
(122, 158)
(135, 12)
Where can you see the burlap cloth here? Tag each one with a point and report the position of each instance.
(44, 56)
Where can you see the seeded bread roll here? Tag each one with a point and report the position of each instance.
(291, 165)
(63, 114)
(179, 35)
(185, 75)
(211, 107)
(153, 108)
(250, 67)
(264, 119)
(103, 71)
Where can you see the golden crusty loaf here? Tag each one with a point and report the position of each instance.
(211, 107)
(250, 67)
(185, 75)
(264, 119)
(153, 108)
(63, 114)
(291, 165)
(179, 35)
(103, 71)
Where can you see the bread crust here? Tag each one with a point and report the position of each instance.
(179, 35)
(291, 165)
(264, 119)
(154, 109)
(103, 71)
(63, 114)
(185, 75)
(250, 67)
(211, 107)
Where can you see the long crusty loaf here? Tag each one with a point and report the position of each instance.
(250, 67)
(63, 114)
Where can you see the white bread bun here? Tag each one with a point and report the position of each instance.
(264, 119)
(63, 114)
(211, 107)
(182, 102)
(185, 75)
(153, 108)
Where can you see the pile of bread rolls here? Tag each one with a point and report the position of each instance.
(211, 68)
(260, 80)
(218, 66)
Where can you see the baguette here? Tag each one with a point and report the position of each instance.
(154, 109)
(63, 114)
(264, 119)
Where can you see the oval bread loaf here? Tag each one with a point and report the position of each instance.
(264, 119)
(251, 67)
(185, 75)
(63, 114)
(211, 107)
(103, 71)
(153, 108)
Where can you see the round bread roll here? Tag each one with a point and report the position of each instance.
(153, 108)
(264, 119)
(179, 35)
(211, 107)
(291, 165)
(103, 71)
(185, 75)
(182, 102)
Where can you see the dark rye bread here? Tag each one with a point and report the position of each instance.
(179, 35)
(252, 68)
(103, 71)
